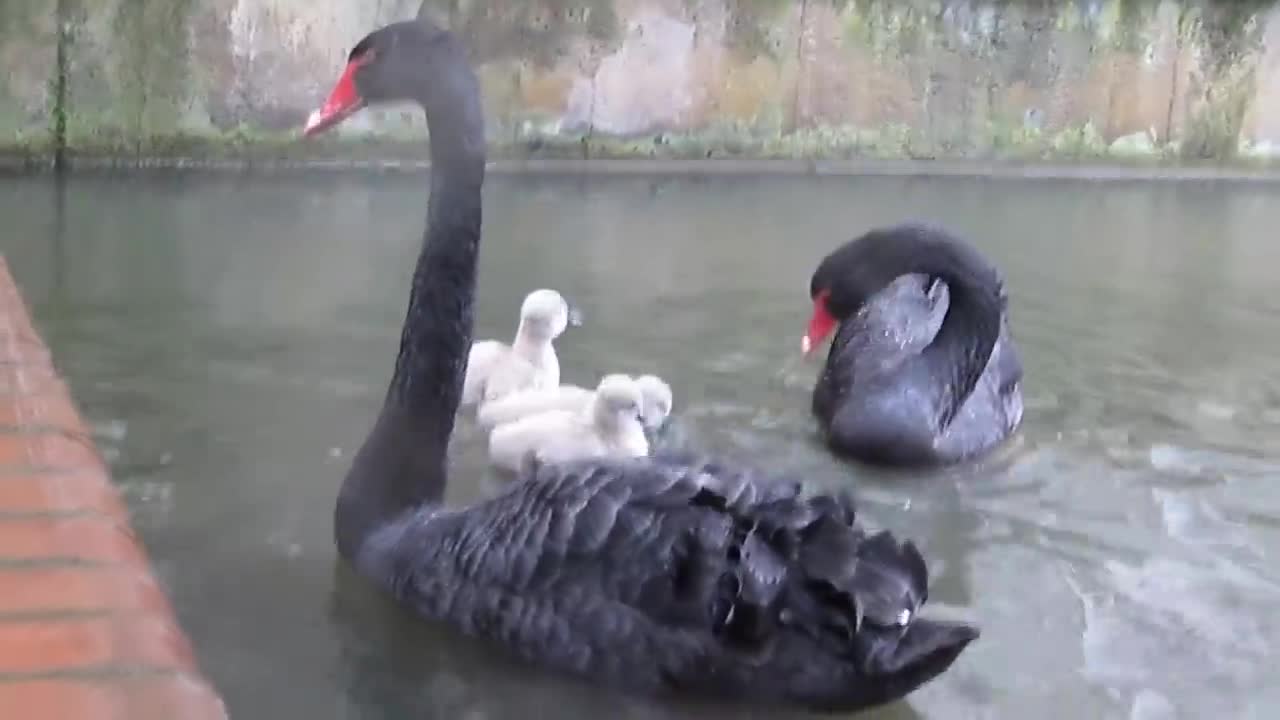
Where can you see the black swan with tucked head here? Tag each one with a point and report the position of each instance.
(922, 370)
(647, 575)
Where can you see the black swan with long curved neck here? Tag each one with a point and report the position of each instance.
(922, 370)
(647, 575)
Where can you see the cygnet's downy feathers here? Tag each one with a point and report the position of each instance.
(658, 401)
(655, 395)
(607, 426)
(496, 369)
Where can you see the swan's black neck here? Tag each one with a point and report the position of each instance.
(402, 464)
(956, 358)
(958, 354)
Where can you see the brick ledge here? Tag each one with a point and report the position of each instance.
(86, 632)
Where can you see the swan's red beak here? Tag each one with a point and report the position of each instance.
(343, 102)
(821, 323)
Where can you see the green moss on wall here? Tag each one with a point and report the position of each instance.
(895, 29)
(1230, 34)
(26, 52)
(151, 66)
(755, 28)
(537, 31)
(983, 79)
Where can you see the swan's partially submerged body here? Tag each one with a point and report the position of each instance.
(609, 425)
(895, 390)
(655, 395)
(660, 577)
(652, 574)
(496, 369)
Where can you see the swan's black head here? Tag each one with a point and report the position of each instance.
(852, 273)
(401, 61)
(844, 280)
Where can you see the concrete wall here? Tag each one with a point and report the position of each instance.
(1175, 80)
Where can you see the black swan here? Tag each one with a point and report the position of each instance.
(641, 574)
(922, 370)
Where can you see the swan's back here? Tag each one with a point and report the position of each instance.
(869, 350)
(877, 400)
(660, 575)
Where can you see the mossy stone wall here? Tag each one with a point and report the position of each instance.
(1171, 80)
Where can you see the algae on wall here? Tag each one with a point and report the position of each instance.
(27, 87)
(535, 31)
(127, 73)
(1230, 34)
(151, 58)
(1154, 79)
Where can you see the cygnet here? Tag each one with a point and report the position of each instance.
(608, 425)
(496, 369)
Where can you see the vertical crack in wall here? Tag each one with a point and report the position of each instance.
(800, 63)
(62, 19)
(1173, 80)
(591, 119)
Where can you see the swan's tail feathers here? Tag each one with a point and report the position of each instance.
(888, 585)
(863, 593)
(924, 651)
(890, 580)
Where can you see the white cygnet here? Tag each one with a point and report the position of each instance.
(607, 426)
(656, 395)
(496, 369)
(655, 408)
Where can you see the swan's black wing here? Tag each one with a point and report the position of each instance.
(895, 325)
(661, 574)
(873, 404)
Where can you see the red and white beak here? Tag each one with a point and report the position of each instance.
(344, 101)
(821, 323)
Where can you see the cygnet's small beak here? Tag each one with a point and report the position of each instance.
(575, 316)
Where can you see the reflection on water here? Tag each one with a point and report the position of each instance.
(230, 340)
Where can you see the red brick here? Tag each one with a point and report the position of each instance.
(49, 448)
(49, 464)
(47, 410)
(176, 697)
(19, 341)
(27, 376)
(180, 698)
(127, 641)
(60, 492)
(21, 345)
(14, 449)
(60, 450)
(88, 538)
(80, 588)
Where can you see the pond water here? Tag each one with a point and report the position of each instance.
(230, 339)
